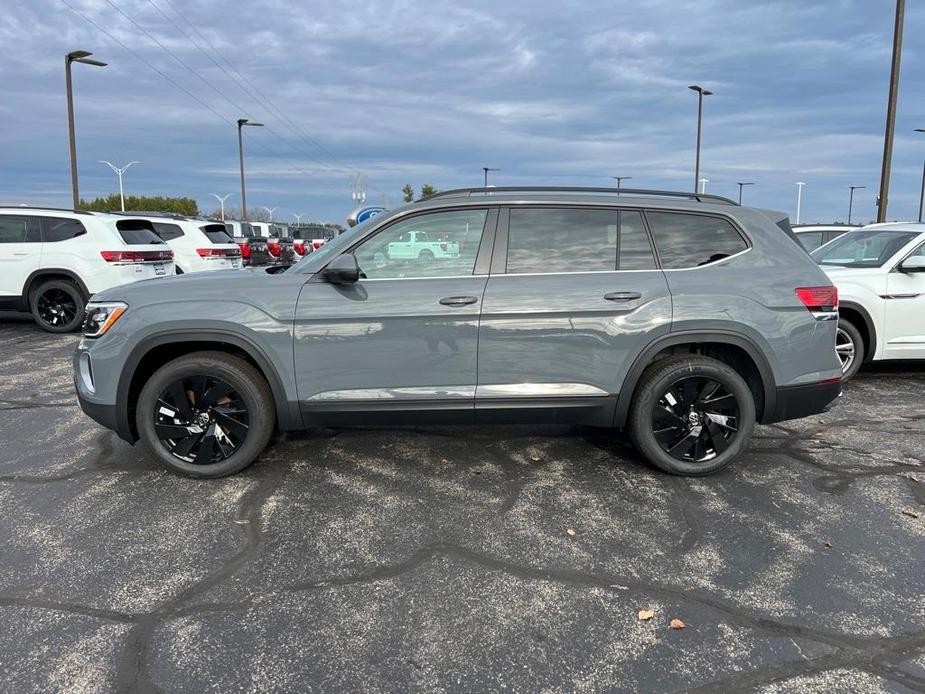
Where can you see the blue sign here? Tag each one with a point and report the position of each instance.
(361, 214)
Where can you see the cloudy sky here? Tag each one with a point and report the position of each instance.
(552, 93)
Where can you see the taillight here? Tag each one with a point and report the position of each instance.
(317, 244)
(819, 298)
(274, 248)
(219, 252)
(299, 247)
(136, 256)
(245, 249)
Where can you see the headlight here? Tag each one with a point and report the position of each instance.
(102, 316)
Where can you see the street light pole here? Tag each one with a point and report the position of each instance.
(922, 193)
(620, 179)
(703, 185)
(270, 211)
(74, 57)
(221, 200)
(851, 200)
(298, 218)
(241, 123)
(741, 185)
(891, 111)
(701, 92)
(118, 172)
(485, 170)
(800, 185)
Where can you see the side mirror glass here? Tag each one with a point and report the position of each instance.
(915, 263)
(342, 270)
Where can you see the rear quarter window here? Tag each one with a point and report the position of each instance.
(688, 240)
(138, 232)
(168, 232)
(216, 233)
(56, 229)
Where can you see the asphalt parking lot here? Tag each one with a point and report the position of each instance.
(441, 559)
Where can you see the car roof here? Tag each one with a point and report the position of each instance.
(898, 226)
(825, 227)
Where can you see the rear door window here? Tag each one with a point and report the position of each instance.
(691, 240)
(558, 240)
(61, 229)
(138, 232)
(19, 229)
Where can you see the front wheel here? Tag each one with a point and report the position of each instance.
(849, 346)
(206, 414)
(691, 415)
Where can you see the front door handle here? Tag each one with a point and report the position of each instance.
(458, 300)
(622, 296)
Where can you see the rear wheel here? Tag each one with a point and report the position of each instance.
(691, 415)
(206, 414)
(57, 306)
(426, 255)
(849, 346)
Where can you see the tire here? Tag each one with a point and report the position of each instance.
(213, 439)
(57, 306)
(426, 255)
(691, 415)
(849, 346)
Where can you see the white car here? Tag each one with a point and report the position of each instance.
(52, 261)
(197, 244)
(811, 236)
(879, 271)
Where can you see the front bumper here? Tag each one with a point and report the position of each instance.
(794, 402)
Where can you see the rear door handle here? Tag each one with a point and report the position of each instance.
(622, 296)
(458, 300)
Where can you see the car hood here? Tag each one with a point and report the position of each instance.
(837, 273)
(228, 283)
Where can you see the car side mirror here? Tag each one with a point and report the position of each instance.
(914, 264)
(342, 270)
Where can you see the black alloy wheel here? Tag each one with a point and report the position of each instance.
(56, 307)
(201, 420)
(695, 419)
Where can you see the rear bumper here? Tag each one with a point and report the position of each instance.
(794, 402)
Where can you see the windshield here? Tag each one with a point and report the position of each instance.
(333, 247)
(870, 248)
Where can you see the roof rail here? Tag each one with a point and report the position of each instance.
(43, 207)
(150, 213)
(468, 192)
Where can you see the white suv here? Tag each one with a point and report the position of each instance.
(880, 274)
(52, 261)
(197, 244)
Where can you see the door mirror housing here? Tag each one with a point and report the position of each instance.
(342, 270)
(915, 263)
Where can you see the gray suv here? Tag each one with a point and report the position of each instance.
(682, 318)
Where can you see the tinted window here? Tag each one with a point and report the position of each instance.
(689, 240)
(167, 231)
(137, 232)
(61, 229)
(811, 240)
(871, 248)
(247, 230)
(216, 233)
(399, 251)
(18, 229)
(576, 240)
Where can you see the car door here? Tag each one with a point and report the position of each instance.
(904, 312)
(20, 255)
(402, 341)
(574, 295)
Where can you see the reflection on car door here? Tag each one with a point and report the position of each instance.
(400, 343)
(573, 299)
(904, 315)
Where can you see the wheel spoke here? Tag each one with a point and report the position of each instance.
(219, 390)
(715, 434)
(722, 401)
(180, 399)
(206, 447)
(667, 416)
(184, 448)
(230, 424)
(172, 431)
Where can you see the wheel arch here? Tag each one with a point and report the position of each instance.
(50, 273)
(151, 353)
(765, 406)
(849, 310)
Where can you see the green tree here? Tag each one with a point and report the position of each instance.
(157, 203)
(427, 189)
(408, 192)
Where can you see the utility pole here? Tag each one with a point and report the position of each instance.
(851, 200)
(701, 92)
(221, 200)
(883, 200)
(241, 123)
(119, 172)
(800, 185)
(74, 57)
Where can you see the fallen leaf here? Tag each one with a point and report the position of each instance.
(676, 624)
(827, 543)
(646, 615)
(534, 457)
(909, 512)
(570, 532)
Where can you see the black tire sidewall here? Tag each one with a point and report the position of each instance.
(250, 386)
(73, 290)
(653, 384)
(859, 348)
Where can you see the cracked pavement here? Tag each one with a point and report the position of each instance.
(436, 559)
